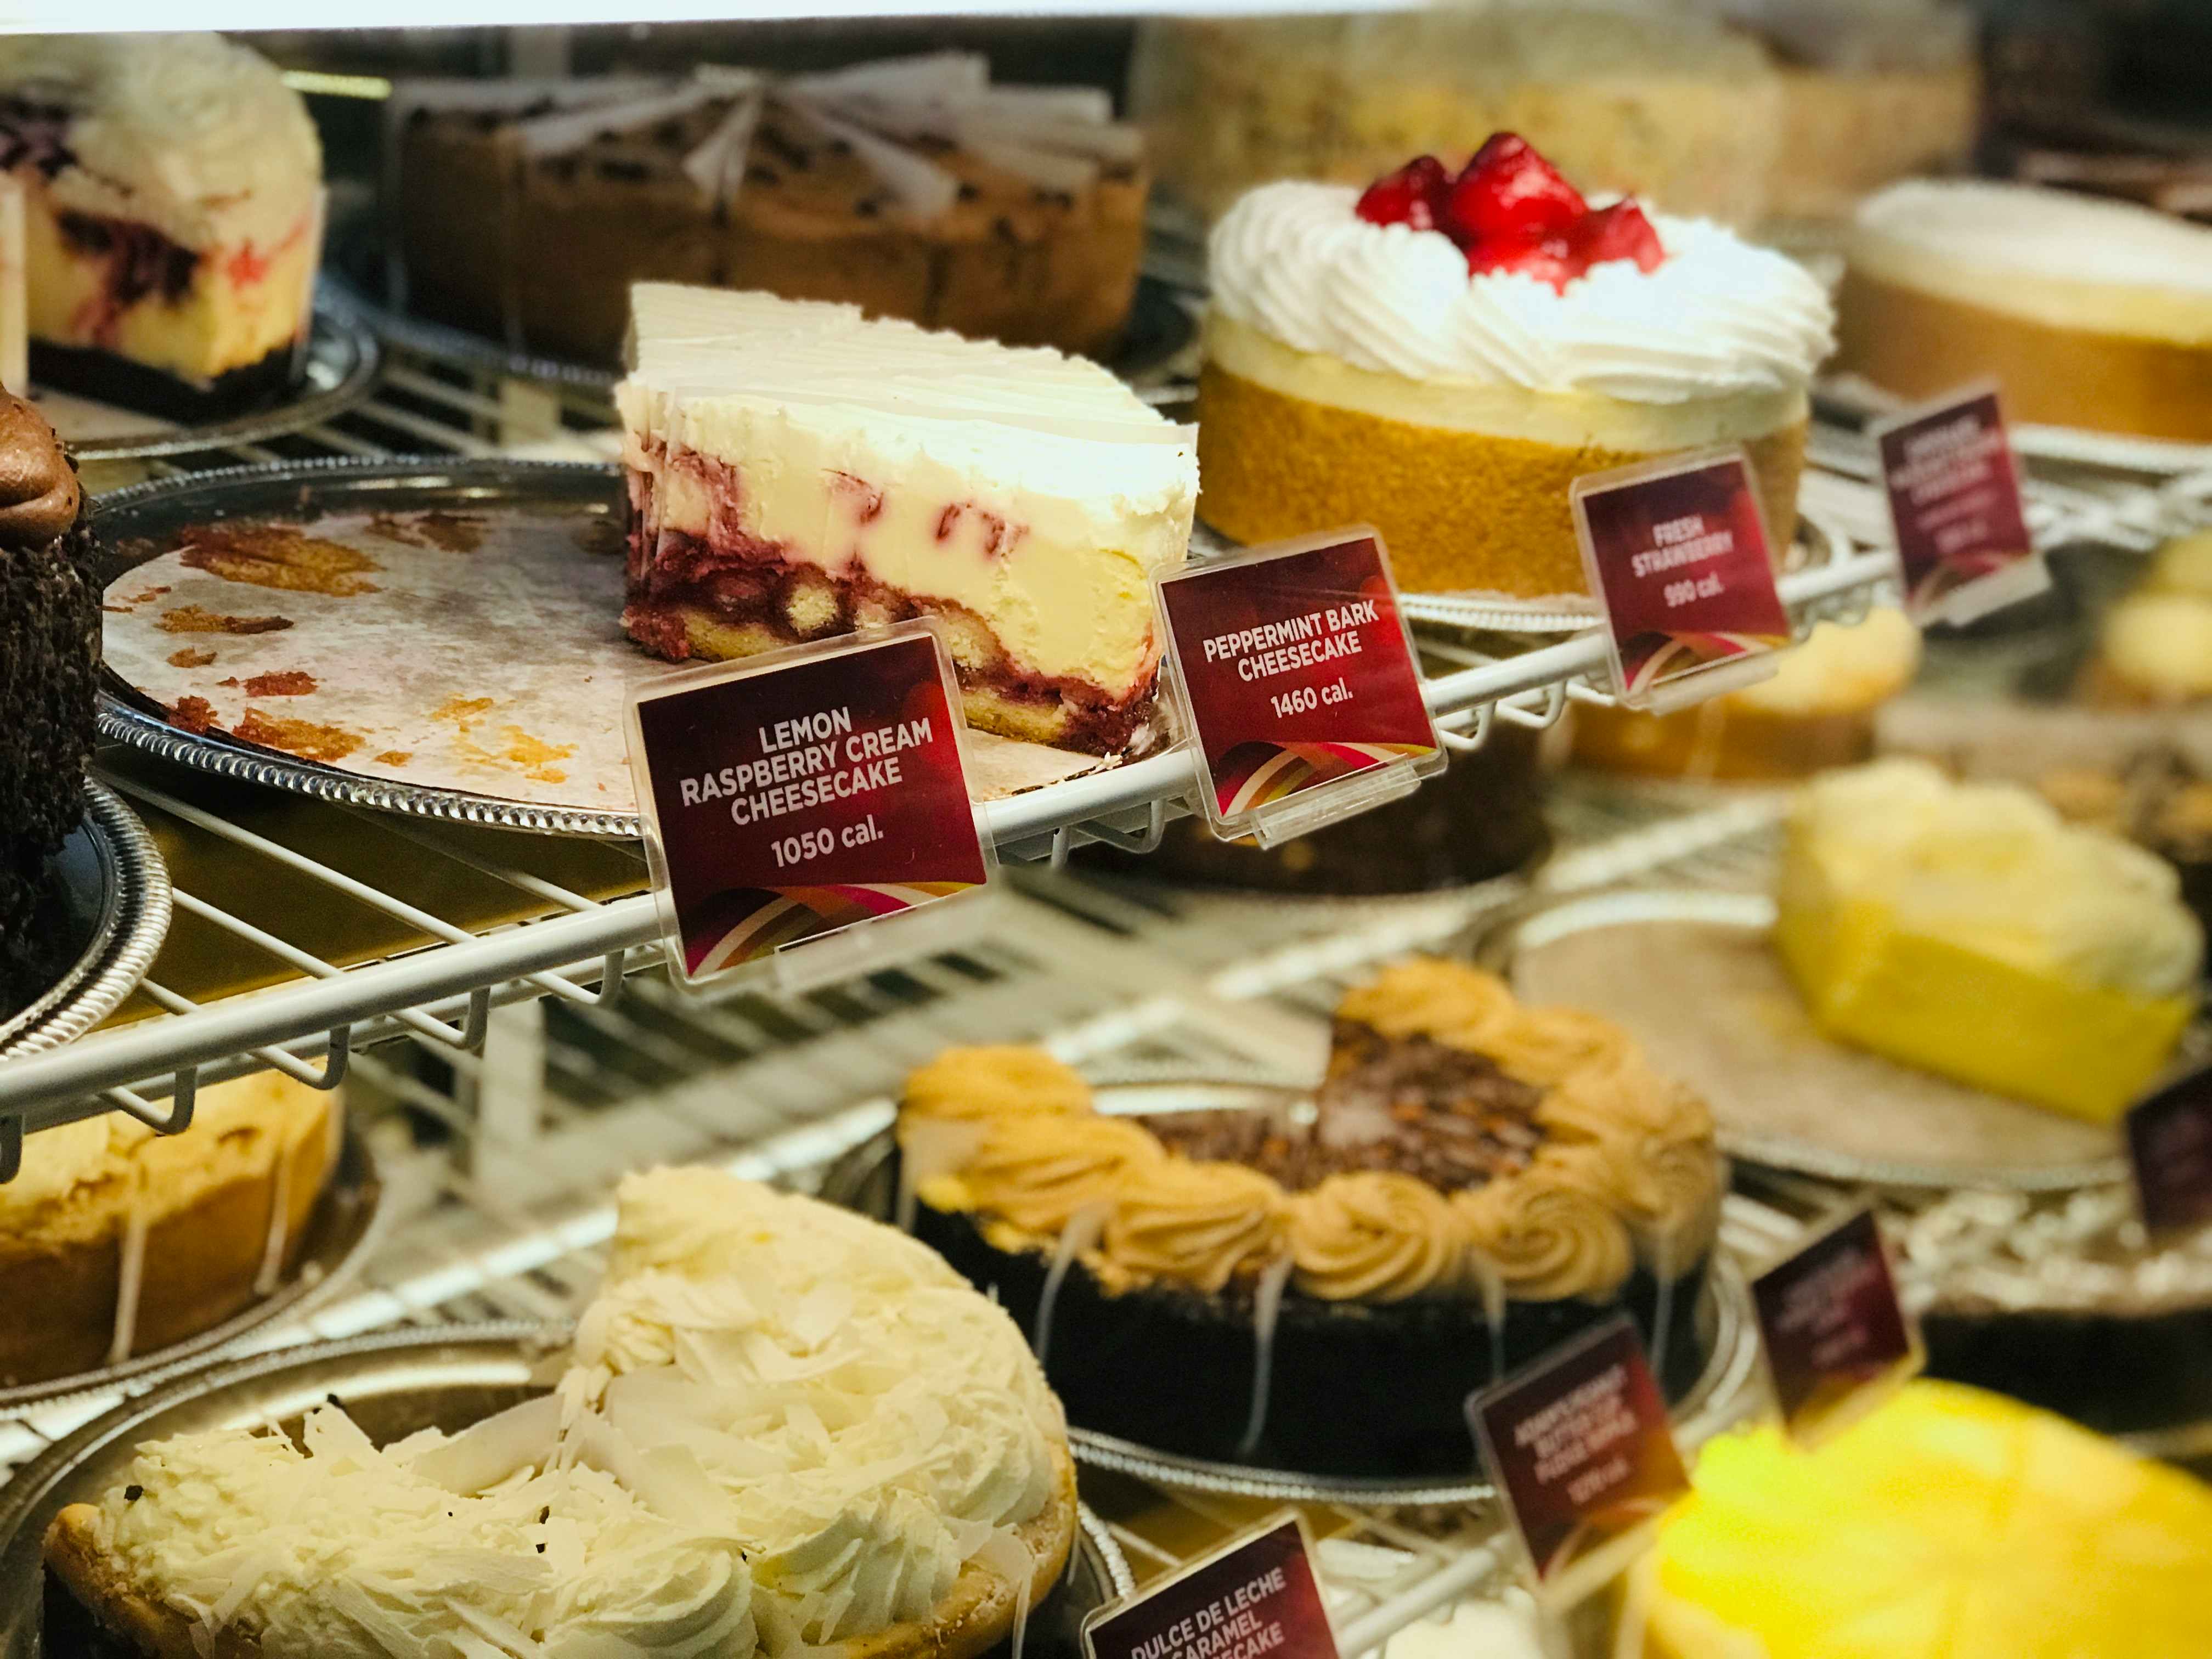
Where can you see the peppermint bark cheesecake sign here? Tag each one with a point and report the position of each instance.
(801, 794)
(1838, 1340)
(1298, 684)
(1583, 1454)
(1954, 492)
(1676, 551)
(1255, 1597)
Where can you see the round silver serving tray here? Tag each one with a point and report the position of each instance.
(131, 524)
(342, 360)
(2044, 1150)
(1159, 325)
(343, 1229)
(863, 1180)
(113, 900)
(391, 1383)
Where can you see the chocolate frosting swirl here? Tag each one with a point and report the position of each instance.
(39, 495)
(991, 1083)
(1376, 1236)
(1198, 1223)
(1038, 1170)
(1552, 1232)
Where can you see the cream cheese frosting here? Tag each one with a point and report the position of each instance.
(198, 137)
(782, 1426)
(1718, 317)
(1995, 868)
(2053, 256)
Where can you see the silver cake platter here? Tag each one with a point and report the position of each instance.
(139, 523)
(354, 268)
(342, 358)
(1692, 975)
(864, 1180)
(109, 912)
(343, 1230)
(392, 1383)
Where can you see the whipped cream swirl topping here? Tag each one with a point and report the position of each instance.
(1717, 316)
(783, 1426)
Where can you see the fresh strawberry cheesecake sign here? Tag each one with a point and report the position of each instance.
(1509, 210)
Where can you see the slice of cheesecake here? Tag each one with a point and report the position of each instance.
(173, 216)
(797, 471)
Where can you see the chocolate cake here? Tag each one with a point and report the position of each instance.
(49, 653)
(1320, 1288)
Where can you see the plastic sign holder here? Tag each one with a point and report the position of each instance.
(1255, 1597)
(1583, 1454)
(806, 811)
(1676, 551)
(1296, 682)
(2169, 1140)
(1953, 486)
(1838, 1342)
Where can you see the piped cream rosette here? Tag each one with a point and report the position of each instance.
(1626, 1170)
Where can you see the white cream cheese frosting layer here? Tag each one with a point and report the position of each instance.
(2050, 255)
(1995, 868)
(196, 137)
(1718, 317)
(1033, 488)
(782, 1425)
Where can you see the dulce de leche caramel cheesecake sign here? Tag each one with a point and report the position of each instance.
(1255, 1597)
(1582, 1451)
(1298, 682)
(1953, 493)
(1676, 551)
(801, 794)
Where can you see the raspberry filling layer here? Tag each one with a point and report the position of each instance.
(731, 578)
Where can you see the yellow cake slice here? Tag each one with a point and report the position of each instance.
(1950, 1524)
(1968, 930)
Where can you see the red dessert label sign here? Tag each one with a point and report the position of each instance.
(1299, 685)
(1582, 1455)
(2169, 1135)
(1255, 1597)
(800, 793)
(1838, 1340)
(1954, 501)
(1676, 552)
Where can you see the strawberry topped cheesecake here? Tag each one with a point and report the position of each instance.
(1441, 356)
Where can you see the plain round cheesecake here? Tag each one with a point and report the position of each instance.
(1441, 358)
(2087, 313)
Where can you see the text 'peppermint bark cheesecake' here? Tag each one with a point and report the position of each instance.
(173, 221)
(782, 1430)
(796, 471)
(1441, 358)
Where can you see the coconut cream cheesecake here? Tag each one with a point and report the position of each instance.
(1442, 357)
(796, 471)
(2088, 313)
(173, 215)
(783, 1429)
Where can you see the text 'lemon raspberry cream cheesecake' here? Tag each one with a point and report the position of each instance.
(796, 471)
(2088, 313)
(782, 1430)
(172, 218)
(1441, 358)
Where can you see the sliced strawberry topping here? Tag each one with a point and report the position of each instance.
(1509, 193)
(1414, 195)
(1551, 260)
(1619, 232)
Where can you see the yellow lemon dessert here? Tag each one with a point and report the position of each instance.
(1950, 1524)
(1969, 930)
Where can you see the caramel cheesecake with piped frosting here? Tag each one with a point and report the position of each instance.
(797, 471)
(173, 216)
(2087, 313)
(1441, 356)
(1318, 1287)
(782, 1429)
